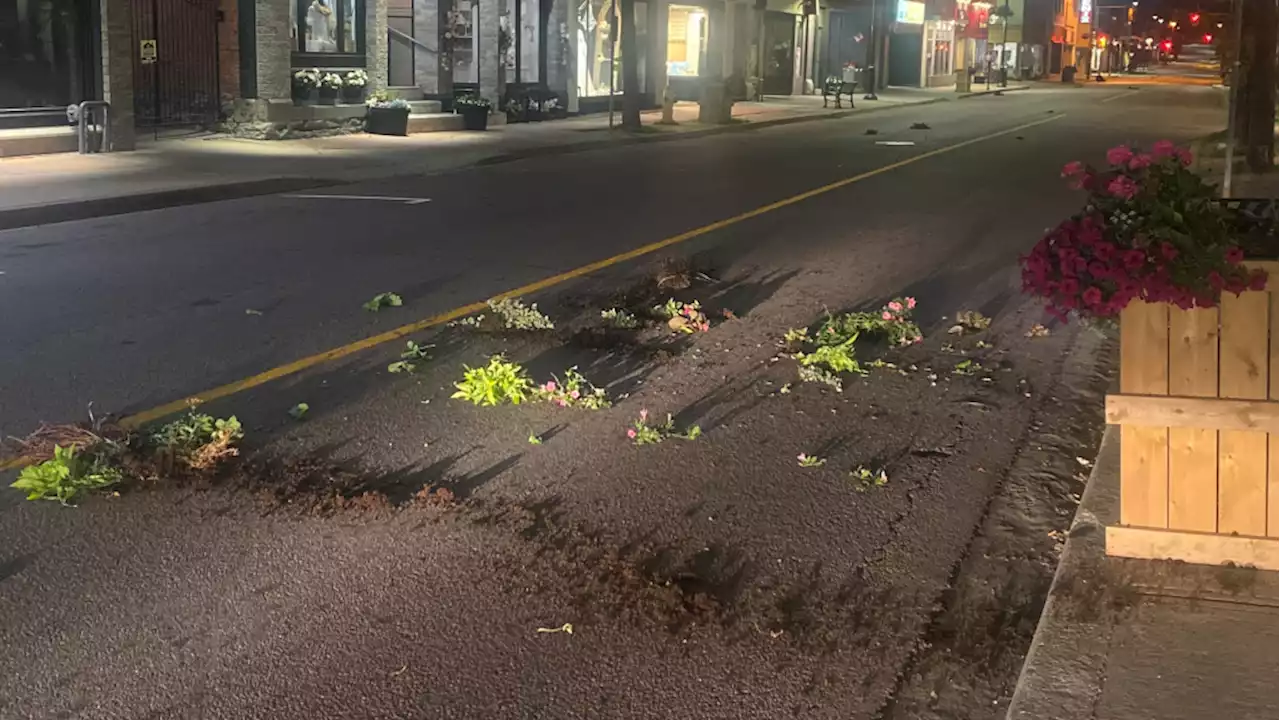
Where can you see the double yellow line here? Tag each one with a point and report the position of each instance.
(297, 366)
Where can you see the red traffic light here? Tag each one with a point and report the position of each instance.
(1195, 18)
(1208, 38)
(1167, 45)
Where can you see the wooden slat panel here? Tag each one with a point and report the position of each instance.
(1200, 548)
(1273, 452)
(1242, 454)
(1193, 451)
(1144, 451)
(1184, 412)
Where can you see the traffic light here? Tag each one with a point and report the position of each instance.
(1195, 18)
(1208, 38)
(1166, 45)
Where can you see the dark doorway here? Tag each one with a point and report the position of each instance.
(779, 52)
(175, 62)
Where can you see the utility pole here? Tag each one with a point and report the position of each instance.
(1004, 47)
(613, 67)
(874, 58)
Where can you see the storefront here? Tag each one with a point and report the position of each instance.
(939, 53)
(48, 60)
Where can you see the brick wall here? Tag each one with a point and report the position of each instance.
(229, 50)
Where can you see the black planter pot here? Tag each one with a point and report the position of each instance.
(387, 121)
(474, 117)
(328, 96)
(304, 95)
(353, 95)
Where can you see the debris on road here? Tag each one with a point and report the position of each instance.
(381, 300)
(299, 411)
(566, 628)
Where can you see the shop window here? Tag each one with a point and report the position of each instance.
(686, 40)
(45, 52)
(328, 28)
(520, 46)
(598, 63)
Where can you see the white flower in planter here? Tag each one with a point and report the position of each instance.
(355, 78)
(332, 81)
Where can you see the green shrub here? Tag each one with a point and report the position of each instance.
(494, 384)
(65, 475)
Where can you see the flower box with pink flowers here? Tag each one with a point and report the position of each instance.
(1192, 284)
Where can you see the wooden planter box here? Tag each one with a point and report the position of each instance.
(1197, 410)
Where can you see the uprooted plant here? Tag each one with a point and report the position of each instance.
(574, 391)
(70, 471)
(683, 317)
(409, 359)
(496, 383)
(831, 347)
(197, 440)
(642, 432)
(806, 460)
(865, 479)
(508, 314)
(619, 319)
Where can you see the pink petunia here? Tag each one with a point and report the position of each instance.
(1163, 148)
(631, 433)
(895, 306)
(1122, 187)
(886, 315)
(1073, 168)
(1139, 161)
(550, 386)
(1168, 251)
(1184, 156)
(574, 394)
(1235, 255)
(911, 303)
(1092, 296)
(1119, 155)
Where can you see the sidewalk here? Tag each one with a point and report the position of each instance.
(1129, 640)
(182, 167)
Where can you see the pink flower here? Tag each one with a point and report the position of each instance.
(1139, 161)
(1235, 255)
(895, 306)
(1163, 148)
(1092, 296)
(911, 303)
(1184, 156)
(1073, 168)
(801, 457)
(1119, 155)
(886, 315)
(574, 394)
(1123, 187)
(562, 402)
(550, 386)
(631, 433)
(1168, 251)
(1134, 259)
(831, 331)
(644, 415)
(1258, 280)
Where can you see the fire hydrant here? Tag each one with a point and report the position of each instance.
(668, 106)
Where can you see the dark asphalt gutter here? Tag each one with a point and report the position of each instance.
(140, 202)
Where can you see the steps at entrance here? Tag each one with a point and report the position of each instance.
(444, 122)
(424, 107)
(409, 93)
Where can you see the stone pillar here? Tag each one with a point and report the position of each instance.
(426, 27)
(489, 57)
(274, 36)
(117, 70)
(375, 44)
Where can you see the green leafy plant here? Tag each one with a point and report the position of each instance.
(381, 300)
(299, 411)
(197, 440)
(796, 337)
(515, 315)
(810, 461)
(642, 432)
(967, 367)
(65, 475)
(497, 383)
(574, 391)
(408, 361)
(866, 479)
(838, 358)
(620, 319)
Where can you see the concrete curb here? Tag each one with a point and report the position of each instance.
(1061, 670)
(139, 202)
(992, 91)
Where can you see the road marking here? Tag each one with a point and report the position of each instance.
(262, 378)
(387, 198)
(1117, 96)
(895, 143)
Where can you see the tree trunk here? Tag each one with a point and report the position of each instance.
(630, 74)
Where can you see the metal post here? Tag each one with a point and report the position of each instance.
(1004, 48)
(1238, 18)
(613, 70)
(872, 79)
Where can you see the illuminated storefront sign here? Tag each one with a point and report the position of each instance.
(910, 12)
(1086, 11)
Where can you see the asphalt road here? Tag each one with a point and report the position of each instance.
(756, 592)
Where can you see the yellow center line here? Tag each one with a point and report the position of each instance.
(155, 413)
